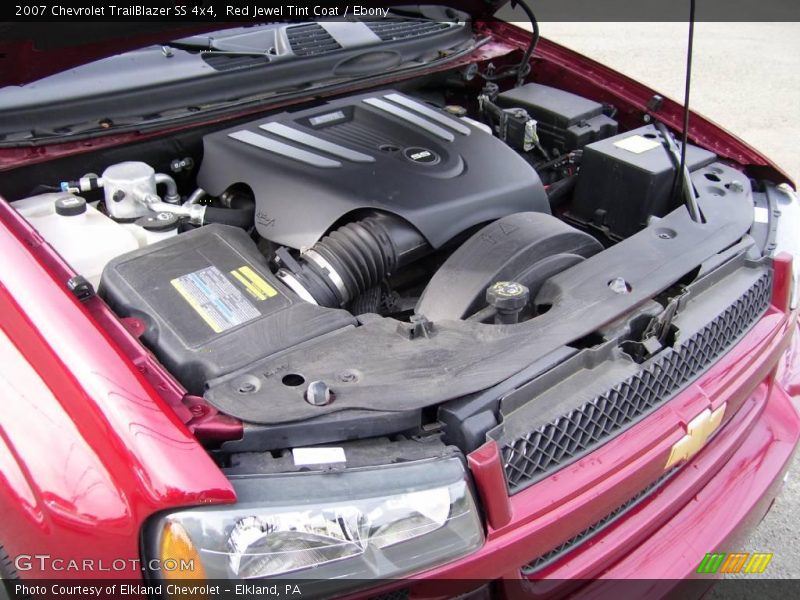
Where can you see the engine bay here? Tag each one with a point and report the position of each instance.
(395, 261)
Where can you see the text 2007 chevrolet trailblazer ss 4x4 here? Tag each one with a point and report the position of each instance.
(377, 302)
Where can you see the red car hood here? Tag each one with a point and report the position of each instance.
(32, 50)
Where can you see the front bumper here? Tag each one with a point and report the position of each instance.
(717, 517)
(710, 503)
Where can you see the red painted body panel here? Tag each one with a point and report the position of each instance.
(564, 504)
(712, 503)
(95, 436)
(97, 449)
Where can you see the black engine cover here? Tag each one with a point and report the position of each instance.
(382, 150)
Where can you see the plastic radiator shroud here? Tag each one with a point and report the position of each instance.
(392, 371)
(524, 247)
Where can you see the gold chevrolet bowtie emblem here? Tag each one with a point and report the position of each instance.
(698, 431)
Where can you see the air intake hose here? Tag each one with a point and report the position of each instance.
(236, 217)
(351, 259)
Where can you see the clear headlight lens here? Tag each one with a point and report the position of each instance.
(360, 524)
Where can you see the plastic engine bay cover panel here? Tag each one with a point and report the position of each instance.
(381, 151)
(389, 370)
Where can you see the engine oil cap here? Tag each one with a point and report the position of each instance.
(508, 295)
(70, 206)
(162, 221)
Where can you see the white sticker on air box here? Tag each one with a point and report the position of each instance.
(318, 456)
(638, 144)
(214, 297)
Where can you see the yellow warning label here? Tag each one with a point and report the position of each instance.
(176, 283)
(215, 298)
(254, 283)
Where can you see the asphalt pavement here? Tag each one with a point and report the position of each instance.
(746, 77)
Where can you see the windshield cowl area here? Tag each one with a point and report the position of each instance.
(196, 73)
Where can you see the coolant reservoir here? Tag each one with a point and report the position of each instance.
(84, 237)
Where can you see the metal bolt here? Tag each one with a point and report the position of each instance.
(177, 165)
(348, 377)
(736, 186)
(318, 394)
(247, 387)
(470, 72)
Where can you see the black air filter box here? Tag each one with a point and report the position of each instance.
(210, 305)
(626, 179)
(565, 121)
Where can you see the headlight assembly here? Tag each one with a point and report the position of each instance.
(356, 524)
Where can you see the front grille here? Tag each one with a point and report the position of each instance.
(535, 455)
(400, 29)
(595, 528)
(310, 39)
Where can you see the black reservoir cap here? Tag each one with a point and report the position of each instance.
(163, 221)
(70, 206)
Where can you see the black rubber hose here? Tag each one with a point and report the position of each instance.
(524, 67)
(560, 190)
(367, 302)
(356, 257)
(237, 217)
